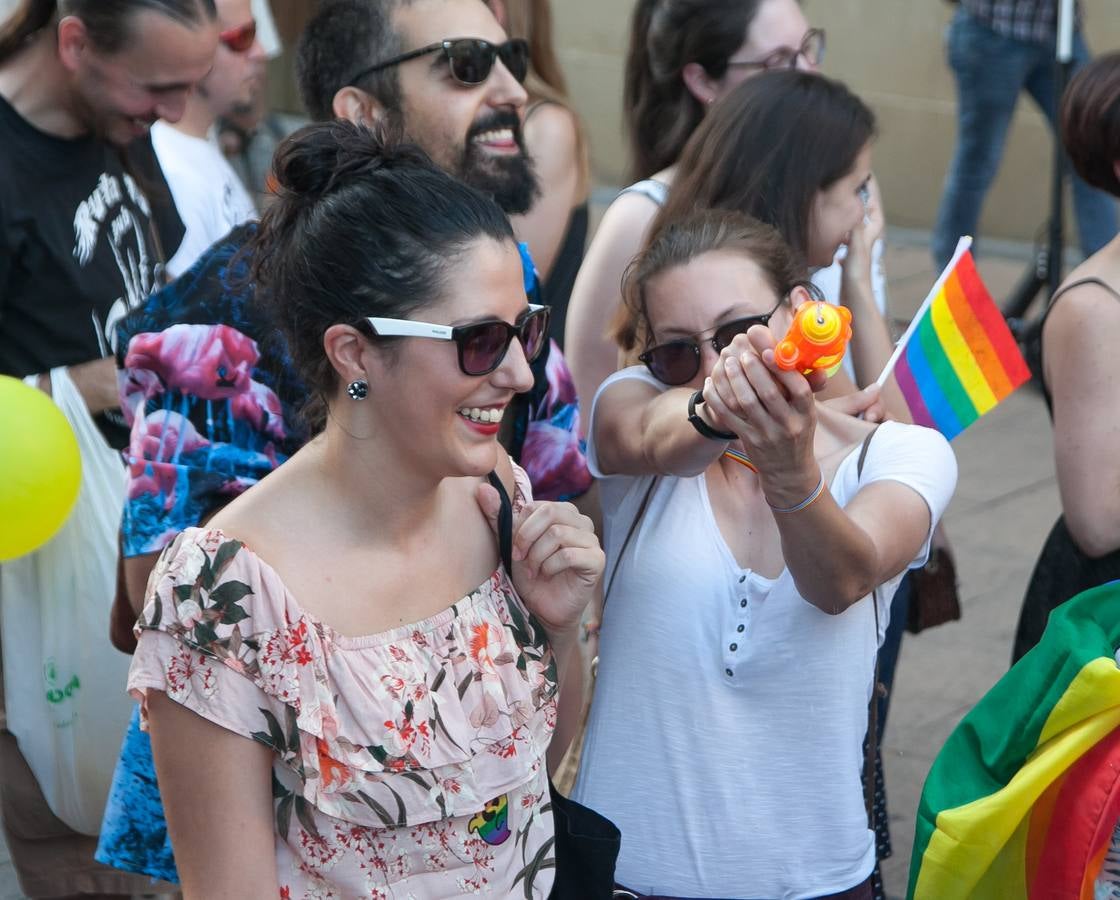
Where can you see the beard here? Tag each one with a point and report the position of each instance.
(510, 180)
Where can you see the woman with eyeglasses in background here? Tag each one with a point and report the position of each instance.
(755, 538)
(371, 641)
(556, 225)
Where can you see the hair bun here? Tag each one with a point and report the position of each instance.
(313, 160)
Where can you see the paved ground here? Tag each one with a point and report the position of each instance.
(1006, 502)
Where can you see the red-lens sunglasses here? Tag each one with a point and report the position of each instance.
(241, 38)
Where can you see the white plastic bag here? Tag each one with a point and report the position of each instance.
(64, 683)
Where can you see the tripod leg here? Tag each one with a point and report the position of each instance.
(1027, 289)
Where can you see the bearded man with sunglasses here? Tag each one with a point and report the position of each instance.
(208, 194)
(202, 359)
(444, 73)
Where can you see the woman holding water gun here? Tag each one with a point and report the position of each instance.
(755, 537)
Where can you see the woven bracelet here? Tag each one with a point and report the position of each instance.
(817, 491)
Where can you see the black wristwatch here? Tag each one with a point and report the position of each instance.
(703, 427)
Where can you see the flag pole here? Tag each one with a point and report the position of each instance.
(963, 246)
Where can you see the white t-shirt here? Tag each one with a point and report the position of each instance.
(725, 736)
(209, 196)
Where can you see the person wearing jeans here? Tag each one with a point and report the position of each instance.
(996, 49)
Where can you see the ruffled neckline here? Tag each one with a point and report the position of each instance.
(497, 580)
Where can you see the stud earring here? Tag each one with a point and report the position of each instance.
(358, 390)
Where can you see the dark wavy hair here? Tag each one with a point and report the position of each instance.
(665, 36)
(363, 224)
(107, 21)
(768, 147)
(1091, 122)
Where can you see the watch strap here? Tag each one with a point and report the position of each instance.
(703, 427)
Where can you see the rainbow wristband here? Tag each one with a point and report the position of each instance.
(741, 458)
(817, 491)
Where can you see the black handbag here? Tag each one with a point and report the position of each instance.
(586, 844)
(586, 850)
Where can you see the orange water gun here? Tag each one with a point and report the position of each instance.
(817, 338)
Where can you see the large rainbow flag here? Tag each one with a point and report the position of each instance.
(958, 358)
(1023, 799)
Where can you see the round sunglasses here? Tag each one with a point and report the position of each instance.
(470, 59)
(676, 362)
(241, 38)
(481, 345)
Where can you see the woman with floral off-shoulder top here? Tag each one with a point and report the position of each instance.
(352, 674)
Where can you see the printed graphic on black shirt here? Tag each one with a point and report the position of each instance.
(126, 229)
(78, 249)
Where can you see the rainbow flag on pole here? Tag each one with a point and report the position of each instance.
(1022, 801)
(958, 358)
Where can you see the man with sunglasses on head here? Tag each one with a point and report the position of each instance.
(208, 194)
(207, 382)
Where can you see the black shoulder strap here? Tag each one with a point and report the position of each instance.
(505, 523)
(872, 742)
(863, 452)
(1035, 343)
(1080, 281)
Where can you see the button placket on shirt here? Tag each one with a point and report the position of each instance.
(741, 628)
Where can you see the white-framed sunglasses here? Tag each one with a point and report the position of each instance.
(481, 345)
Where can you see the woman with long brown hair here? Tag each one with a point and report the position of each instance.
(793, 149)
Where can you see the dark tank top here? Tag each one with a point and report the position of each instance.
(1063, 570)
(557, 288)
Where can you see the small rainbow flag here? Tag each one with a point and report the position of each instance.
(1022, 801)
(958, 358)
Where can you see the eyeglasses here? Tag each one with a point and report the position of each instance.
(241, 38)
(470, 59)
(812, 48)
(482, 345)
(677, 362)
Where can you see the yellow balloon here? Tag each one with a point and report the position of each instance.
(40, 468)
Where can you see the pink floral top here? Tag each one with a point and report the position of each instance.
(408, 763)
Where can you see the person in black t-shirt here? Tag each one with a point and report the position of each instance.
(85, 224)
(85, 217)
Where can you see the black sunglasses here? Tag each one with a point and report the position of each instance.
(677, 362)
(470, 59)
(482, 345)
